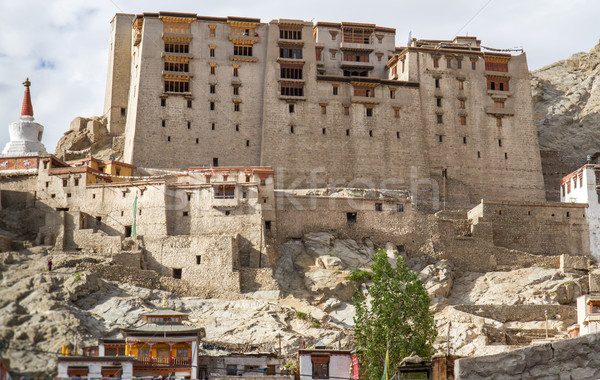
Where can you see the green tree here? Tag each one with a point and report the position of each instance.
(396, 314)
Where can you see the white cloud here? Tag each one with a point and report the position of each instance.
(62, 45)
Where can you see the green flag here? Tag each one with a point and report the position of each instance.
(134, 212)
(387, 364)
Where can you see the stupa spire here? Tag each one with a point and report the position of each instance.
(27, 108)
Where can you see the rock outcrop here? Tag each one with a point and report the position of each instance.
(89, 136)
(567, 111)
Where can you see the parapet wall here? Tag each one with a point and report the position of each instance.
(567, 359)
(538, 228)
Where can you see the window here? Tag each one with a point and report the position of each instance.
(370, 133)
(320, 367)
(499, 142)
(448, 63)
(242, 50)
(356, 57)
(400, 207)
(392, 93)
(506, 156)
(347, 132)
(237, 127)
(497, 84)
(213, 88)
(177, 86)
(225, 192)
(396, 112)
(236, 90)
(212, 52)
(473, 65)
(163, 102)
(323, 109)
(463, 120)
(346, 110)
(178, 67)
(439, 119)
(324, 131)
(212, 106)
(215, 161)
(291, 129)
(357, 35)
(247, 142)
(292, 72)
(397, 135)
(183, 352)
(177, 48)
(267, 225)
(163, 123)
(189, 125)
(291, 53)
(498, 122)
(231, 370)
(465, 140)
(213, 70)
(291, 108)
(459, 64)
(378, 206)
(437, 83)
(189, 104)
(236, 107)
(65, 182)
(197, 140)
(369, 112)
(335, 90)
(461, 104)
(76, 182)
(236, 71)
(351, 217)
(168, 138)
(461, 84)
(292, 89)
(438, 102)
(177, 273)
(185, 213)
(436, 62)
(478, 154)
(213, 126)
(440, 138)
(290, 34)
(496, 66)
(362, 91)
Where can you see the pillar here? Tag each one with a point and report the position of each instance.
(194, 353)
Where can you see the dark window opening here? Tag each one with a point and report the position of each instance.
(212, 106)
(128, 231)
(291, 108)
(198, 259)
(370, 133)
(237, 127)
(189, 125)
(397, 135)
(324, 131)
(212, 126)
(215, 161)
(369, 112)
(98, 219)
(163, 123)
(378, 206)
(247, 142)
(351, 217)
(185, 213)
(267, 225)
(291, 129)
(400, 207)
(163, 102)
(347, 132)
(227, 212)
(189, 104)
(177, 273)
(437, 83)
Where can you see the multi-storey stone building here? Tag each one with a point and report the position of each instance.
(333, 103)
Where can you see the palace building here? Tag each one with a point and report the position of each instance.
(335, 103)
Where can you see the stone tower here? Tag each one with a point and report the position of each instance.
(25, 134)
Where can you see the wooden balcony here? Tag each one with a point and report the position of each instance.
(145, 361)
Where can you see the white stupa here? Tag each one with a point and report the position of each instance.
(25, 134)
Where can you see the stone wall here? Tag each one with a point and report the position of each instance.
(575, 358)
(538, 228)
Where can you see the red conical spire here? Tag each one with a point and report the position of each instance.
(27, 108)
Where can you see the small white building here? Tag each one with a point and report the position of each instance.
(323, 363)
(583, 186)
(588, 316)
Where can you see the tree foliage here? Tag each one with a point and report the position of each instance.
(395, 313)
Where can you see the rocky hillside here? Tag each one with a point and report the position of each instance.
(79, 301)
(567, 110)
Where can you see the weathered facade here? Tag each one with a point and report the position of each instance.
(321, 103)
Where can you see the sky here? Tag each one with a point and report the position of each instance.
(62, 45)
